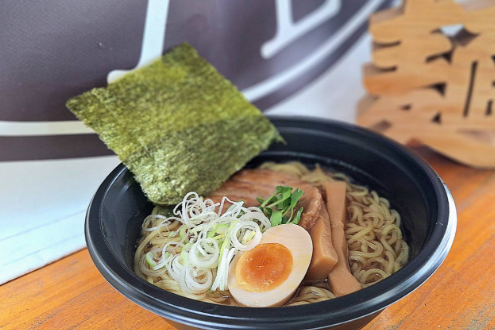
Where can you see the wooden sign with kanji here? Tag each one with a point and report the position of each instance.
(432, 77)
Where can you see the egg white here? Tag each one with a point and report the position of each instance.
(298, 241)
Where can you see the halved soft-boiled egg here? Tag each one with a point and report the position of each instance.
(269, 274)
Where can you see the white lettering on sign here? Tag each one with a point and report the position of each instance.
(153, 37)
(34, 128)
(314, 57)
(288, 31)
(153, 43)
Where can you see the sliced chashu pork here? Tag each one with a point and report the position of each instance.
(249, 184)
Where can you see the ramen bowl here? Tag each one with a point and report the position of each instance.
(115, 215)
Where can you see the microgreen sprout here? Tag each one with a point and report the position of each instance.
(280, 207)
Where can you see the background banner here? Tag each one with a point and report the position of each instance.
(289, 57)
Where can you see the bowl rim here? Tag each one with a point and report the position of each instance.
(312, 316)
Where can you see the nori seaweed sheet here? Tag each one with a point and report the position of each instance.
(177, 124)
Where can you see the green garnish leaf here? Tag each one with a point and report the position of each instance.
(296, 195)
(297, 218)
(278, 206)
(280, 189)
(177, 124)
(286, 203)
(286, 192)
(276, 218)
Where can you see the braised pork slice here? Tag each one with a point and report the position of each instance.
(246, 191)
(266, 177)
(248, 184)
(312, 202)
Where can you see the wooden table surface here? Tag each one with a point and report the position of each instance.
(71, 293)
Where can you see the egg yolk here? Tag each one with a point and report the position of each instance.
(264, 267)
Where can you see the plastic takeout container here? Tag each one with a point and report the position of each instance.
(428, 215)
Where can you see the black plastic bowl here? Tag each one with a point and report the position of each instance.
(429, 222)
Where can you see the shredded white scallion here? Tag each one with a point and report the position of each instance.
(199, 252)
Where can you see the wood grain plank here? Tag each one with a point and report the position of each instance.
(69, 294)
